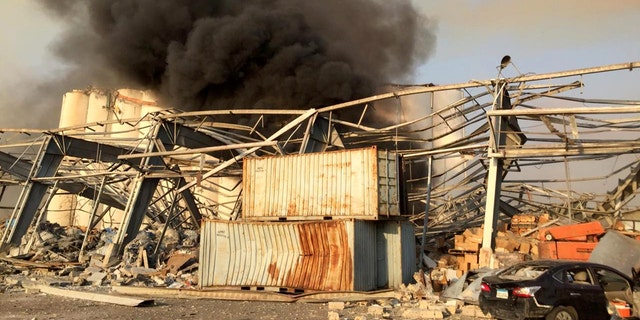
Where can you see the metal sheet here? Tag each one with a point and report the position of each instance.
(396, 253)
(321, 255)
(617, 251)
(358, 183)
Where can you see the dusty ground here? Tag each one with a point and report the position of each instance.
(18, 304)
(21, 305)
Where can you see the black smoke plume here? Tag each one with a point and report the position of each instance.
(217, 54)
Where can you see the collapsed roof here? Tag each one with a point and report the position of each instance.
(563, 155)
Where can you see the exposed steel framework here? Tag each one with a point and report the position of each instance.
(563, 155)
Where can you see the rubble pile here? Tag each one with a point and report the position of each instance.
(524, 237)
(55, 251)
(50, 242)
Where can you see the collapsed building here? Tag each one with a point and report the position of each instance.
(349, 196)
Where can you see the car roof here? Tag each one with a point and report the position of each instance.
(562, 263)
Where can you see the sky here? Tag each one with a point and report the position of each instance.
(472, 36)
(540, 36)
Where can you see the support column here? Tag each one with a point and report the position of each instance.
(494, 177)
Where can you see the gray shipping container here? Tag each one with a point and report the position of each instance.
(346, 184)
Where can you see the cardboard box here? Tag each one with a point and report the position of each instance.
(473, 235)
(525, 247)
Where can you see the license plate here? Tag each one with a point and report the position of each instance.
(502, 294)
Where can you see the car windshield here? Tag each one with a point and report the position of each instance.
(523, 272)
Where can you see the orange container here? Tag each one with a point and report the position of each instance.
(623, 308)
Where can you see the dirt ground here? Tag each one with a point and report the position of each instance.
(40, 306)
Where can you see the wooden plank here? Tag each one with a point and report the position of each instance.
(222, 294)
(99, 297)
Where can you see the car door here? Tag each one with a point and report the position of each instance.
(583, 292)
(614, 284)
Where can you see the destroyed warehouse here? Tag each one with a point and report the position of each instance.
(323, 199)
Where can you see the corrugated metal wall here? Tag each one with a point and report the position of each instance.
(333, 255)
(396, 244)
(321, 255)
(358, 183)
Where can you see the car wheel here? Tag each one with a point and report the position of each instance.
(562, 313)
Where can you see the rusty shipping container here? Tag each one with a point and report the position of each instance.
(331, 255)
(346, 184)
(312, 255)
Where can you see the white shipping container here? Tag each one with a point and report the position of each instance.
(346, 184)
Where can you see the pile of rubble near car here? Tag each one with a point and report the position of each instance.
(525, 237)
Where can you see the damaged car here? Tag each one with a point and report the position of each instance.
(558, 290)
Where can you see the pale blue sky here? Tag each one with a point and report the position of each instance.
(541, 36)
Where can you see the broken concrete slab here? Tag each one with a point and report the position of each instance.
(92, 296)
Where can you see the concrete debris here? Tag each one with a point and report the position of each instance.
(55, 251)
(449, 289)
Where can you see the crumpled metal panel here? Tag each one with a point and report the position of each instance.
(618, 251)
(322, 255)
(356, 183)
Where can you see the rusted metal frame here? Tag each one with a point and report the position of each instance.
(152, 203)
(171, 133)
(553, 130)
(32, 193)
(233, 160)
(598, 101)
(174, 203)
(561, 150)
(140, 195)
(14, 166)
(86, 149)
(197, 150)
(40, 215)
(551, 93)
(473, 177)
(88, 175)
(228, 137)
(560, 111)
(220, 131)
(76, 129)
(253, 129)
(94, 209)
(427, 208)
(616, 198)
(307, 134)
(190, 201)
(139, 199)
(232, 112)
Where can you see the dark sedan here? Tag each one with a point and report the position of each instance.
(558, 290)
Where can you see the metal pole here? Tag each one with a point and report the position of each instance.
(94, 209)
(174, 202)
(494, 181)
(426, 210)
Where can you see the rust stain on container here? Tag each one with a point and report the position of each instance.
(314, 255)
(345, 184)
(273, 270)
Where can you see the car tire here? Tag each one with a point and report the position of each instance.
(562, 313)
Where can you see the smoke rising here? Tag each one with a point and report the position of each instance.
(217, 54)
